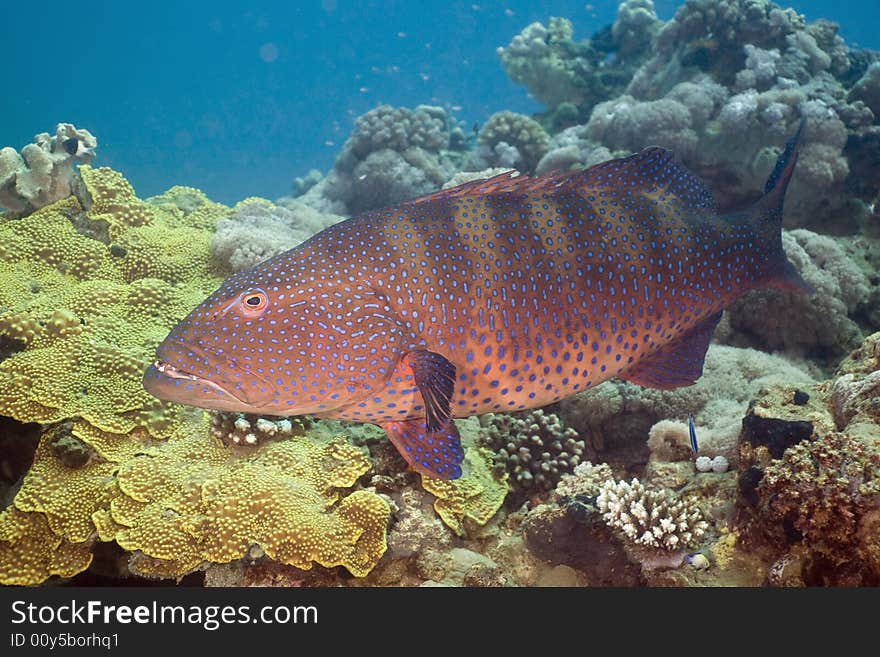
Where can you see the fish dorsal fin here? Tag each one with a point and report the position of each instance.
(653, 179)
(680, 363)
(650, 180)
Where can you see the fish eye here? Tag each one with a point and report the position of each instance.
(253, 302)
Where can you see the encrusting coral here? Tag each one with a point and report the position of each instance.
(823, 490)
(471, 501)
(43, 172)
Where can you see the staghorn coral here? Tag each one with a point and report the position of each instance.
(535, 450)
(177, 503)
(653, 519)
(258, 229)
(43, 172)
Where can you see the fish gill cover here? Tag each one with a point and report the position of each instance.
(92, 279)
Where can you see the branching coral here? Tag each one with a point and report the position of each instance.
(650, 518)
(43, 172)
(393, 154)
(258, 229)
(536, 450)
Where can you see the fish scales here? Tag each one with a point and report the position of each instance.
(494, 296)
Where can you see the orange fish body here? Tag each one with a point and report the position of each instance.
(498, 295)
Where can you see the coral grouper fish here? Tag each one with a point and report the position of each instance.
(498, 295)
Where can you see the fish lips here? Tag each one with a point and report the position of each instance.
(164, 381)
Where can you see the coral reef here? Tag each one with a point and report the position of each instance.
(510, 140)
(808, 477)
(86, 294)
(393, 154)
(469, 502)
(43, 172)
(246, 429)
(821, 490)
(815, 324)
(614, 419)
(570, 77)
(85, 315)
(535, 449)
(258, 229)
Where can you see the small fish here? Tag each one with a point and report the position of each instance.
(692, 432)
(498, 295)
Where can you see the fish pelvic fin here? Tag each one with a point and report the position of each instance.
(436, 453)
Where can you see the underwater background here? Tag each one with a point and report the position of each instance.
(182, 143)
(237, 99)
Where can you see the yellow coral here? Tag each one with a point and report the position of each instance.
(187, 500)
(85, 297)
(88, 315)
(190, 502)
(473, 498)
(31, 553)
(67, 495)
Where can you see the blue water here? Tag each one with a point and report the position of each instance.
(237, 101)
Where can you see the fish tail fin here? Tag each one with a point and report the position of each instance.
(766, 219)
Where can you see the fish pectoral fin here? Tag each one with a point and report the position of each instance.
(435, 379)
(432, 453)
(680, 363)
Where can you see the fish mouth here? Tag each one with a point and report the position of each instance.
(163, 380)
